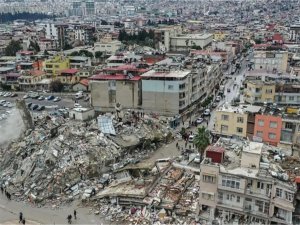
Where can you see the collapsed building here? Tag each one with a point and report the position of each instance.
(62, 159)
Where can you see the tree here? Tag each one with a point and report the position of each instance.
(56, 86)
(34, 46)
(98, 54)
(12, 48)
(201, 140)
(86, 53)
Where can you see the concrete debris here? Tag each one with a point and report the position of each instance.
(61, 159)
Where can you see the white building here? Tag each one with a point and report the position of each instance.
(186, 42)
(109, 48)
(51, 31)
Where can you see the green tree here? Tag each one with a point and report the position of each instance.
(86, 53)
(46, 52)
(75, 53)
(201, 140)
(56, 86)
(12, 48)
(98, 54)
(34, 46)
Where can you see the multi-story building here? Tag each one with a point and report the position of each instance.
(259, 91)
(242, 190)
(109, 91)
(109, 48)
(54, 66)
(77, 62)
(163, 36)
(62, 35)
(30, 79)
(231, 121)
(287, 93)
(186, 42)
(268, 127)
(294, 34)
(271, 60)
(84, 33)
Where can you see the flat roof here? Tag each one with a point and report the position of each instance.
(172, 73)
(253, 147)
(6, 69)
(114, 77)
(194, 36)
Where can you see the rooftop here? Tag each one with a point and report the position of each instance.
(172, 73)
(253, 147)
(194, 36)
(114, 77)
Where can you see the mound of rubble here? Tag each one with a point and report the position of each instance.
(62, 159)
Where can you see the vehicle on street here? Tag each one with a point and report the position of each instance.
(50, 98)
(2, 102)
(8, 94)
(199, 120)
(25, 96)
(40, 108)
(76, 105)
(206, 112)
(14, 95)
(191, 138)
(34, 106)
(29, 104)
(57, 99)
(228, 89)
(9, 105)
(214, 105)
(218, 98)
(41, 98)
(197, 158)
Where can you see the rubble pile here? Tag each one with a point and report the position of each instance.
(62, 159)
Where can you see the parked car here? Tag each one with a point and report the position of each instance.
(14, 95)
(218, 98)
(41, 98)
(34, 106)
(199, 120)
(197, 158)
(40, 108)
(57, 99)
(206, 112)
(2, 102)
(228, 89)
(8, 94)
(29, 104)
(191, 138)
(25, 96)
(51, 97)
(9, 105)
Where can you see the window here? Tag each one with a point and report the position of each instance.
(269, 91)
(288, 125)
(239, 130)
(224, 128)
(259, 134)
(260, 185)
(209, 179)
(289, 196)
(208, 196)
(238, 199)
(230, 182)
(278, 192)
(220, 195)
(291, 98)
(225, 117)
(261, 123)
(240, 120)
(257, 90)
(272, 136)
(273, 124)
(170, 87)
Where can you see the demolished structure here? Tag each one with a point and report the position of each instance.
(62, 159)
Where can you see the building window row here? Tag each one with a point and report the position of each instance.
(284, 194)
(230, 182)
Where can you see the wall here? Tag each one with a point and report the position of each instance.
(266, 129)
(231, 123)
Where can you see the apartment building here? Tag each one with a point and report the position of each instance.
(54, 66)
(29, 80)
(259, 91)
(163, 36)
(287, 93)
(290, 130)
(241, 190)
(108, 48)
(109, 91)
(231, 121)
(84, 33)
(268, 127)
(186, 42)
(294, 34)
(77, 62)
(271, 60)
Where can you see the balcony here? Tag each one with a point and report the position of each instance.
(237, 190)
(232, 206)
(262, 194)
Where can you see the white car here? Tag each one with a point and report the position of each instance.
(206, 112)
(218, 98)
(76, 105)
(197, 158)
(25, 96)
(41, 98)
(199, 120)
(7, 94)
(9, 105)
(191, 138)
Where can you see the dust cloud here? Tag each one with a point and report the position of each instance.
(10, 128)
